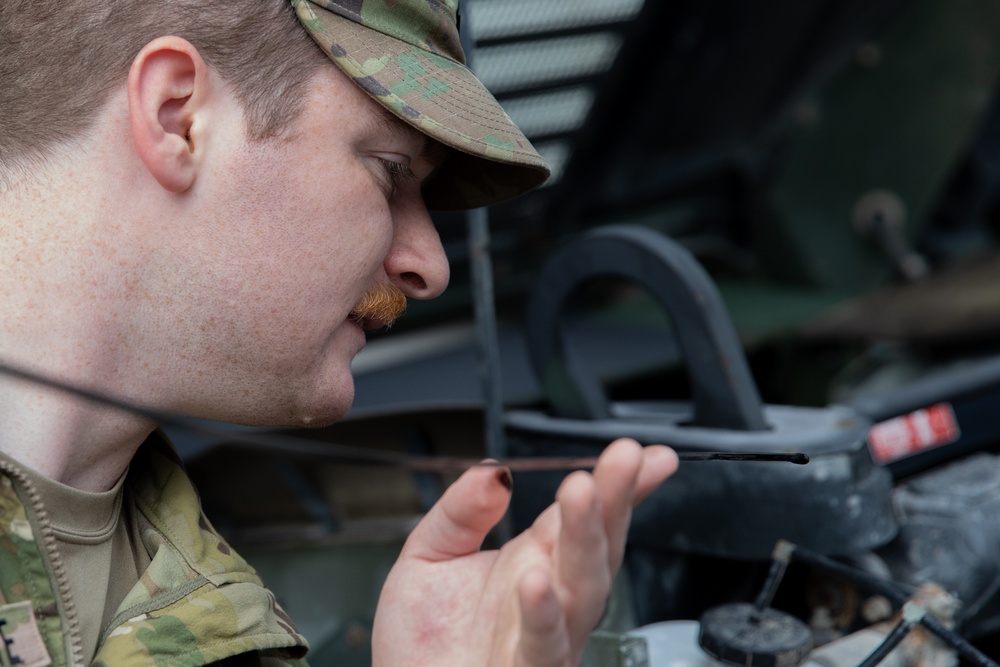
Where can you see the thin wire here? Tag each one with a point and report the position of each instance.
(324, 450)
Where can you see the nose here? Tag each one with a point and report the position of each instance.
(416, 262)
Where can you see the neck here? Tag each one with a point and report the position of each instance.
(69, 439)
(62, 280)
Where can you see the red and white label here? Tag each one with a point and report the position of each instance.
(900, 437)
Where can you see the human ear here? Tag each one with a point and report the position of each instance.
(168, 84)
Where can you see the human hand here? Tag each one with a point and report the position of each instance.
(534, 601)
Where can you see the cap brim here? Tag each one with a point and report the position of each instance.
(493, 161)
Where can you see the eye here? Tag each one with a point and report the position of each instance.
(397, 173)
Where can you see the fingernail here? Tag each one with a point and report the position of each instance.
(505, 478)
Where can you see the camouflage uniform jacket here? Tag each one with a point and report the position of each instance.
(197, 603)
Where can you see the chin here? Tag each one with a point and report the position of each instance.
(312, 400)
(319, 420)
(323, 407)
(317, 417)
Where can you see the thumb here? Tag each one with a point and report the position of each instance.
(458, 523)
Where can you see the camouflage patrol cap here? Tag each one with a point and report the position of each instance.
(406, 55)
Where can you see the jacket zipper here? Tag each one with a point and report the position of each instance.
(39, 517)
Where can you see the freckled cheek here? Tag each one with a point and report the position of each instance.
(363, 232)
(336, 229)
(344, 265)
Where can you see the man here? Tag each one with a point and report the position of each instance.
(198, 213)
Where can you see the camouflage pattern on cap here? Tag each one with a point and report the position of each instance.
(406, 55)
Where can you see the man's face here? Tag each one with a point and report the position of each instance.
(291, 235)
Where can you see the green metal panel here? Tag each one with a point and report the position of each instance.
(330, 591)
(610, 649)
(896, 119)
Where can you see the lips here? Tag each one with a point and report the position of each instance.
(380, 306)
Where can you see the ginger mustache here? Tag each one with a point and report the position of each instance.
(379, 307)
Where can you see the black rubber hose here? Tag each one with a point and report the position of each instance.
(897, 597)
